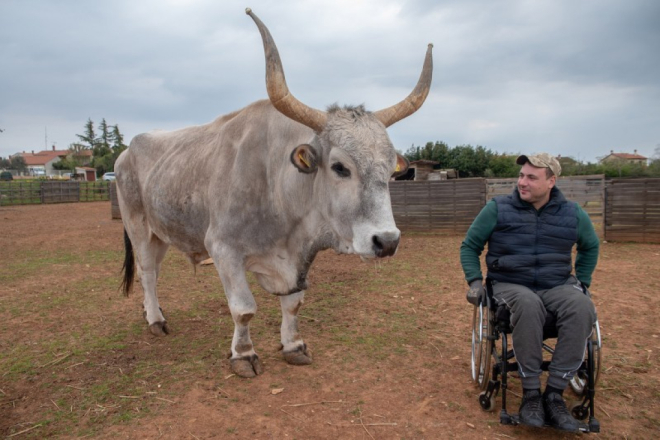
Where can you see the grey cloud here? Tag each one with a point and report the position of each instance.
(561, 76)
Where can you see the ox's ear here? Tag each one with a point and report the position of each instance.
(305, 158)
(402, 165)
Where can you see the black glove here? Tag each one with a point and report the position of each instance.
(474, 292)
(584, 288)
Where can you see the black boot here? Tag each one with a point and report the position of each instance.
(559, 417)
(531, 409)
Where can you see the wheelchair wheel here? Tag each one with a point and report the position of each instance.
(579, 381)
(481, 345)
(487, 404)
(579, 411)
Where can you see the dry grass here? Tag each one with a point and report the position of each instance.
(390, 344)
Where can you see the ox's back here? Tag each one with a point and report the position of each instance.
(181, 179)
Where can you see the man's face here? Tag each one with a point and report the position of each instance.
(534, 186)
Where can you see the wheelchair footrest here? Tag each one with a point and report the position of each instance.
(508, 419)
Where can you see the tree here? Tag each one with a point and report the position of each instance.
(102, 147)
(482, 159)
(75, 158)
(18, 163)
(654, 165)
(502, 165)
(440, 153)
(89, 139)
(570, 166)
(118, 145)
(64, 164)
(413, 153)
(78, 154)
(102, 153)
(106, 148)
(426, 153)
(468, 161)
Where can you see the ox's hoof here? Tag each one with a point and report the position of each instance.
(248, 366)
(300, 356)
(159, 328)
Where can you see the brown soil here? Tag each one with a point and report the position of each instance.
(390, 342)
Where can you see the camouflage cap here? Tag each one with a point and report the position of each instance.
(541, 160)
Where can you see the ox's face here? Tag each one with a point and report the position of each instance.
(354, 161)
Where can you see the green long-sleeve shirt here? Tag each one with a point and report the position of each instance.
(484, 224)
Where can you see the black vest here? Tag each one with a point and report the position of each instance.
(532, 248)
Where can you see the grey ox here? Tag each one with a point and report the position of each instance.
(262, 189)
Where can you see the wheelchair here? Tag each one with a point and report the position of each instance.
(490, 367)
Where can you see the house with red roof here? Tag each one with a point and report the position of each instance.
(41, 163)
(625, 157)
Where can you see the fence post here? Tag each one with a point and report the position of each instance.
(605, 198)
(115, 213)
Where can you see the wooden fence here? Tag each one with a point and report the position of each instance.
(588, 191)
(437, 205)
(47, 191)
(60, 192)
(632, 210)
(451, 205)
(20, 193)
(629, 209)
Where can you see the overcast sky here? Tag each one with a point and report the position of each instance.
(577, 78)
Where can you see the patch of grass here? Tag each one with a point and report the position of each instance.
(18, 366)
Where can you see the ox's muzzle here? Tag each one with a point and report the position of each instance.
(384, 245)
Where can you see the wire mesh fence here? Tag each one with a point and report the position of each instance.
(30, 192)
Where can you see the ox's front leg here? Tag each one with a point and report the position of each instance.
(244, 360)
(294, 349)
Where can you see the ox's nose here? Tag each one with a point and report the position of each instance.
(385, 245)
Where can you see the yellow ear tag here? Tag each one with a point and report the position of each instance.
(302, 159)
(398, 168)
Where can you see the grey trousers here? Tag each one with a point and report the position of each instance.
(575, 314)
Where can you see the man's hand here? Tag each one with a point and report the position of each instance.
(474, 292)
(584, 288)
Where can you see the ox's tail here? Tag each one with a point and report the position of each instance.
(129, 266)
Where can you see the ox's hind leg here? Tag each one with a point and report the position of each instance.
(244, 360)
(293, 348)
(150, 257)
(140, 241)
(150, 251)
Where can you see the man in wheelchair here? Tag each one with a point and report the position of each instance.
(530, 235)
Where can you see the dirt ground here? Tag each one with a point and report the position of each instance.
(390, 343)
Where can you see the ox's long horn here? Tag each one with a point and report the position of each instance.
(415, 100)
(278, 92)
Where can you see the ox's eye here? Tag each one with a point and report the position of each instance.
(340, 169)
